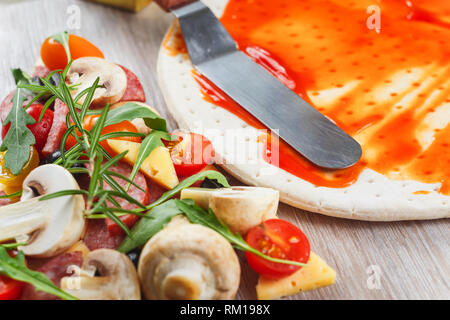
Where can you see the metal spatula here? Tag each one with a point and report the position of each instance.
(214, 54)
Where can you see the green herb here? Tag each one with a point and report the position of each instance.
(21, 76)
(130, 111)
(10, 246)
(197, 215)
(63, 38)
(144, 229)
(186, 183)
(169, 194)
(96, 131)
(101, 201)
(161, 215)
(15, 268)
(63, 193)
(211, 184)
(12, 195)
(19, 138)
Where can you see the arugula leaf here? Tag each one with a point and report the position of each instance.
(63, 38)
(19, 138)
(197, 215)
(211, 184)
(21, 76)
(210, 174)
(146, 228)
(130, 111)
(15, 268)
(149, 144)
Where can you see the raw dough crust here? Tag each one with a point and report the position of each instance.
(373, 197)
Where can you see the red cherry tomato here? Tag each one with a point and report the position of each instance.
(54, 55)
(10, 289)
(190, 154)
(114, 229)
(41, 129)
(278, 239)
(124, 126)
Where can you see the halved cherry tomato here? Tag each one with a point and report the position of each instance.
(114, 229)
(40, 129)
(54, 56)
(190, 154)
(278, 239)
(10, 289)
(10, 180)
(124, 126)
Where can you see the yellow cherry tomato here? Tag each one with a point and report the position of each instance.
(11, 180)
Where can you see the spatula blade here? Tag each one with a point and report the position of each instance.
(214, 54)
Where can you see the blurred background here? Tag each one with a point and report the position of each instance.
(131, 5)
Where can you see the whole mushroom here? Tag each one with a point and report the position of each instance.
(189, 262)
(116, 279)
(240, 207)
(84, 71)
(50, 226)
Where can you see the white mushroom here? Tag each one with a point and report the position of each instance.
(138, 122)
(240, 208)
(117, 278)
(191, 262)
(50, 226)
(84, 71)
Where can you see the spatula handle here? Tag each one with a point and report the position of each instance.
(168, 5)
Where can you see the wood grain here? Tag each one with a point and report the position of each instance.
(413, 257)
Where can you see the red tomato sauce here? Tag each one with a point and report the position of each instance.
(387, 89)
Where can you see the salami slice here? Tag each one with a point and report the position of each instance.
(97, 236)
(142, 196)
(55, 269)
(155, 191)
(134, 90)
(58, 128)
(125, 170)
(41, 71)
(4, 201)
(6, 105)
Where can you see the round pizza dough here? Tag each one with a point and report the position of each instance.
(372, 197)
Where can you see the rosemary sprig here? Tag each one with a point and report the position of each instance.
(104, 193)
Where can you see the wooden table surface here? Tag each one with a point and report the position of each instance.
(403, 260)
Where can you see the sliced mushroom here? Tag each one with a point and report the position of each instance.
(190, 262)
(117, 278)
(138, 122)
(84, 71)
(240, 208)
(50, 226)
